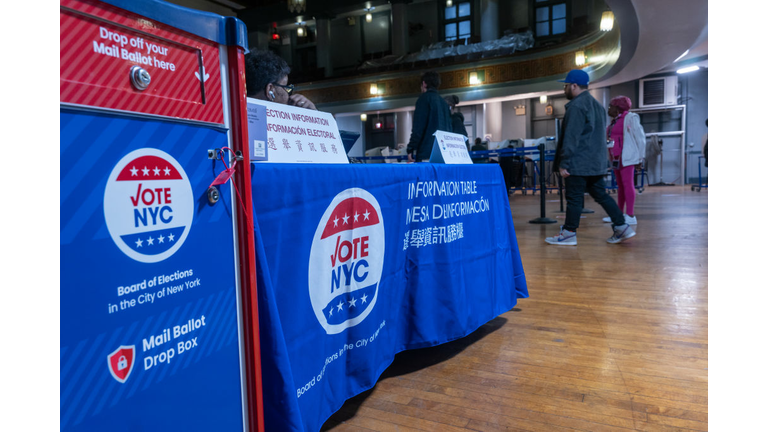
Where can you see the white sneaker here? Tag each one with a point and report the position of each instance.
(566, 238)
(631, 220)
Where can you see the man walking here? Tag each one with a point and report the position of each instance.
(581, 161)
(432, 114)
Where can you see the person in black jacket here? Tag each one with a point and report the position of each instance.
(581, 160)
(457, 118)
(432, 114)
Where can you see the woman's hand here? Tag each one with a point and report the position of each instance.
(301, 101)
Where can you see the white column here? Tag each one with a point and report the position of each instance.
(403, 124)
(492, 120)
(489, 20)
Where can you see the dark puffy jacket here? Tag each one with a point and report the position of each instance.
(432, 114)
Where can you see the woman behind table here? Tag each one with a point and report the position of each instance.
(628, 138)
(266, 78)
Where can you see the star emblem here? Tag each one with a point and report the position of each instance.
(340, 305)
(346, 218)
(150, 241)
(145, 171)
(336, 221)
(352, 302)
(170, 237)
(160, 239)
(330, 313)
(357, 215)
(364, 298)
(134, 171)
(366, 214)
(156, 171)
(167, 171)
(138, 243)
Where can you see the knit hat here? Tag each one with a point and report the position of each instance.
(623, 103)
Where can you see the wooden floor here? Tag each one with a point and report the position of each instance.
(613, 337)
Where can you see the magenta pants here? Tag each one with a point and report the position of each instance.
(625, 180)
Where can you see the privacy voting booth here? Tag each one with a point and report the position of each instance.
(206, 284)
(157, 323)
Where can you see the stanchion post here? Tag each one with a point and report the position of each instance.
(543, 219)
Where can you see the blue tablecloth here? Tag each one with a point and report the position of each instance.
(359, 262)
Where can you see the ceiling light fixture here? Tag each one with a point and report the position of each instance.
(543, 99)
(297, 6)
(302, 30)
(374, 89)
(368, 16)
(363, 117)
(687, 69)
(606, 22)
(449, 3)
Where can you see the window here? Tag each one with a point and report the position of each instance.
(458, 21)
(550, 17)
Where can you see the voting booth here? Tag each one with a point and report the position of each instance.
(157, 321)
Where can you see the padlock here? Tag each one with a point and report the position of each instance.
(122, 363)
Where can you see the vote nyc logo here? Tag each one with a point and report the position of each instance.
(148, 205)
(346, 260)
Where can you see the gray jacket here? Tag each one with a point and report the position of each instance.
(582, 143)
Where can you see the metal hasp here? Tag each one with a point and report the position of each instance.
(140, 78)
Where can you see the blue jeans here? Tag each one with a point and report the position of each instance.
(575, 186)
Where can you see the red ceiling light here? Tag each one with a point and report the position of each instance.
(274, 34)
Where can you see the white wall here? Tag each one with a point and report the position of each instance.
(514, 126)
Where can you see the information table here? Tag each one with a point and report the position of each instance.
(358, 262)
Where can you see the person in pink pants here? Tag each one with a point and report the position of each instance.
(628, 138)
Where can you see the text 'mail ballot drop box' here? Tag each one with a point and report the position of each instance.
(157, 320)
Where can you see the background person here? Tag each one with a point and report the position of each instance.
(628, 149)
(480, 146)
(432, 114)
(580, 159)
(266, 78)
(457, 118)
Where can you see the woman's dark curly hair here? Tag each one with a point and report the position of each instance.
(262, 68)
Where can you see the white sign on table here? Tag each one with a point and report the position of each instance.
(289, 134)
(450, 148)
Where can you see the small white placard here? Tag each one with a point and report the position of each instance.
(294, 135)
(450, 148)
